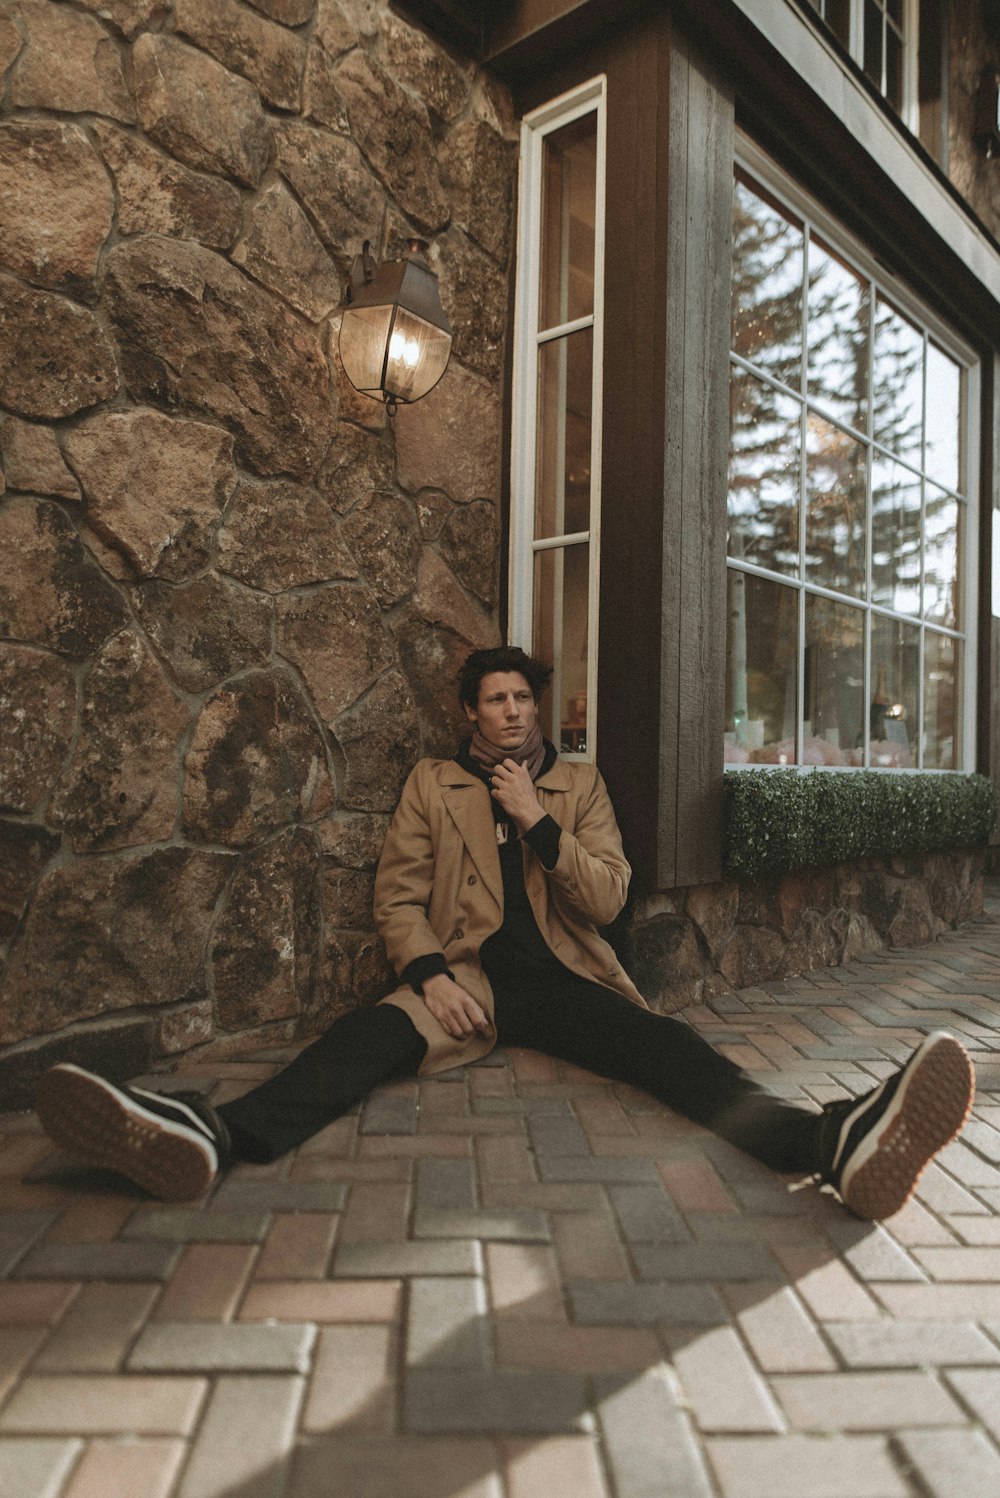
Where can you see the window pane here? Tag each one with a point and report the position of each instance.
(568, 215)
(873, 43)
(943, 519)
(942, 746)
(835, 507)
(761, 671)
(897, 393)
(560, 635)
(894, 69)
(944, 405)
(763, 474)
(768, 255)
(895, 537)
(838, 18)
(893, 713)
(834, 683)
(839, 309)
(562, 481)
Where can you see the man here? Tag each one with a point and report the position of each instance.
(498, 870)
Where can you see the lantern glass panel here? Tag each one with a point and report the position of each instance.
(417, 357)
(363, 334)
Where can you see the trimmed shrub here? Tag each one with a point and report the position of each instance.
(781, 819)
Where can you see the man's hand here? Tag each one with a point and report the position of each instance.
(514, 789)
(456, 1011)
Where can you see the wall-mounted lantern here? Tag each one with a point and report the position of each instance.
(395, 341)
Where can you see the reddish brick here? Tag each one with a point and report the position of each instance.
(376, 1213)
(524, 1282)
(17, 1347)
(298, 1246)
(207, 1283)
(694, 1186)
(104, 1404)
(127, 1467)
(589, 1248)
(338, 1138)
(98, 1329)
(93, 1219)
(553, 1466)
(505, 1159)
(25, 1302)
(581, 1349)
(374, 1146)
(352, 1387)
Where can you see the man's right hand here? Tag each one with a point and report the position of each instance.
(456, 1011)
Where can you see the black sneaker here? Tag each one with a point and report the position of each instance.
(874, 1149)
(170, 1146)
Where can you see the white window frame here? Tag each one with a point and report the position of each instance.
(785, 191)
(910, 114)
(588, 98)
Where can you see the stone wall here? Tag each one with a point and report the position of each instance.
(232, 594)
(697, 945)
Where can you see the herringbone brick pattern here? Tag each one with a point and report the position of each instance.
(519, 1280)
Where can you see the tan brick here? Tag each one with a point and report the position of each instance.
(95, 1334)
(865, 1401)
(961, 1264)
(17, 1347)
(374, 1146)
(505, 1158)
(940, 1302)
(588, 1247)
(443, 1100)
(126, 1467)
(602, 1113)
(298, 1246)
(403, 1467)
(329, 1300)
(545, 1196)
(723, 1387)
(828, 1288)
(942, 1193)
(245, 1439)
(524, 1282)
(93, 1219)
(781, 1336)
(20, 1196)
(352, 1387)
(376, 1213)
(316, 1168)
(490, 1081)
(532, 1066)
(19, 1152)
(338, 1138)
(694, 1186)
(208, 1282)
(581, 1349)
(793, 1466)
(553, 1466)
(23, 1302)
(915, 1227)
(103, 1404)
(982, 1232)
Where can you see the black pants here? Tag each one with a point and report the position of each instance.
(551, 1011)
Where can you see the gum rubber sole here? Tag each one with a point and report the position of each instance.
(931, 1105)
(102, 1127)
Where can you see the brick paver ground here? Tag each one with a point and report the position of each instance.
(520, 1281)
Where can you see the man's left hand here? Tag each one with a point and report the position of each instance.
(513, 788)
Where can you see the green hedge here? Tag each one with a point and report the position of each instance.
(782, 819)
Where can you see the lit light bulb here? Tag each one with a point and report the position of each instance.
(396, 345)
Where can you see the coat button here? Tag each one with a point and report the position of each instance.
(612, 972)
(471, 879)
(457, 934)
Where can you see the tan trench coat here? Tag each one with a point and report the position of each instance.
(439, 887)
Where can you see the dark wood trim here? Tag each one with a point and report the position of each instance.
(988, 683)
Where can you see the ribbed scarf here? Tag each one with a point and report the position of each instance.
(531, 753)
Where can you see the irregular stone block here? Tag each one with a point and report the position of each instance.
(37, 719)
(332, 179)
(120, 788)
(752, 955)
(347, 898)
(814, 944)
(392, 128)
(712, 908)
(55, 358)
(130, 16)
(11, 42)
(332, 35)
(265, 954)
(271, 57)
(112, 934)
(70, 63)
(32, 460)
(282, 535)
(156, 487)
(282, 250)
(51, 592)
(423, 66)
(435, 633)
(338, 640)
(24, 852)
(198, 111)
(352, 839)
(157, 195)
(378, 737)
(356, 464)
(206, 630)
(56, 204)
(470, 543)
(181, 1029)
(479, 170)
(385, 538)
(664, 955)
(256, 763)
(913, 922)
(288, 12)
(474, 294)
(194, 332)
(450, 440)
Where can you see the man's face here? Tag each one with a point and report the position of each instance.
(506, 711)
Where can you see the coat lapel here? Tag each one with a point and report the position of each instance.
(475, 825)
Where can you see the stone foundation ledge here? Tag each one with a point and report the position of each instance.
(687, 946)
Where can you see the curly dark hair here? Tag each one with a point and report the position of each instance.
(500, 658)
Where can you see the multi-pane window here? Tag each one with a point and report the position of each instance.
(555, 504)
(881, 37)
(849, 493)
